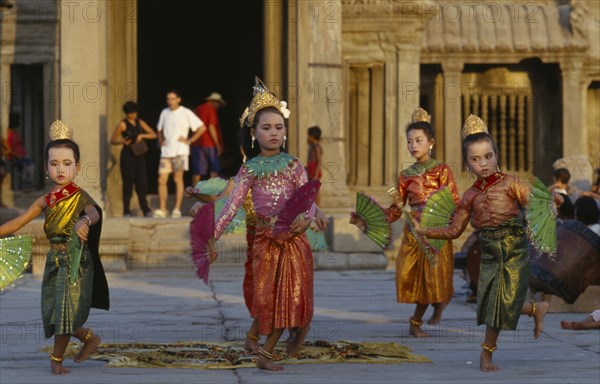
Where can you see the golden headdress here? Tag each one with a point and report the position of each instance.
(262, 98)
(60, 130)
(473, 125)
(421, 115)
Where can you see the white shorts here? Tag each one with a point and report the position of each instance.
(173, 164)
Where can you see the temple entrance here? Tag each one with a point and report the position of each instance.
(509, 98)
(199, 47)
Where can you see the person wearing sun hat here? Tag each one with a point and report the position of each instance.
(207, 149)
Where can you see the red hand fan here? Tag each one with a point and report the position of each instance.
(202, 231)
(300, 202)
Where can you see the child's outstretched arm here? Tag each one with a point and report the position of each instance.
(243, 182)
(459, 222)
(18, 222)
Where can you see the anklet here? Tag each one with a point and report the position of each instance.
(415, 322)
(265, 354)
(532, 312)
(88, 336)
(57, 359)
(487, 348)
(252, 337)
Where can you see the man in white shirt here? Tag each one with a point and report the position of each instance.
(173, 128)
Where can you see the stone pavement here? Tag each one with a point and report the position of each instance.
(173, 305)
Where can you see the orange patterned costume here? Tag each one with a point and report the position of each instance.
(417, 280)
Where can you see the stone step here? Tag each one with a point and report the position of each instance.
(138, 242)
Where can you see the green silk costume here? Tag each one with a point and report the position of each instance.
(494, 205)
(503, 276)
(66, 304)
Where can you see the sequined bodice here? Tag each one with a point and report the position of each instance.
(272, 180)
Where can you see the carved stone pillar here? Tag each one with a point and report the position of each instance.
(319, 92)
(452, 114)
(122, 87)
(8, 25)
(408, 85)
(83, 76)
(574, 130)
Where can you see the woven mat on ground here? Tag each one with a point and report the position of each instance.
(231, 355)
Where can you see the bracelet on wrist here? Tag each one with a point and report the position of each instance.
(88, 219)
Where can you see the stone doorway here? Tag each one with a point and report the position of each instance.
(27, 119)
(186, 45)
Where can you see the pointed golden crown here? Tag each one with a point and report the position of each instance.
(421, 115)
(473, 125)
(262, 98)
(60, 130)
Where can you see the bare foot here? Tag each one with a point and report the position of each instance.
(538, 317)
(87, 349)
(485, 362)
(417, 331)
(296, 341)
(251, 344)
(58, 369)
(264, 363)
(436, 317)
(565, 324)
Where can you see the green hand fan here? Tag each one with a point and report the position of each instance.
(317, 240)
(15, 255)
(211, 187)
(541, 216)
(75, 245)
(437, 213)
(238, 222)
(378, 228)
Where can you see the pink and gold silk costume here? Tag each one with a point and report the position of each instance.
(282, 265)
(418, 280)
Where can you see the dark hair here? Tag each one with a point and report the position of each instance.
(586, 210)
(175, 91)
(423, 126)
(130, 107)
(476, 138)
(562, 174)
(567, 210)
(247, 134)
(315, 132)
(63, 143)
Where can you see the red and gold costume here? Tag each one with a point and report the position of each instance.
(282, 264)
(417, 279)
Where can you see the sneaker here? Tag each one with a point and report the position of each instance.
(148, 214)
(127, 215)
(176, 214)
(159, 214)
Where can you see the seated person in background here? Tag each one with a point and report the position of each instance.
(587, 211)
(567, 210)
(561, 181)
(590, 322)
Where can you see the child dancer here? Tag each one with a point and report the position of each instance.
(282, 266)
(418, 280)
(494, 204)
(69, 211)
